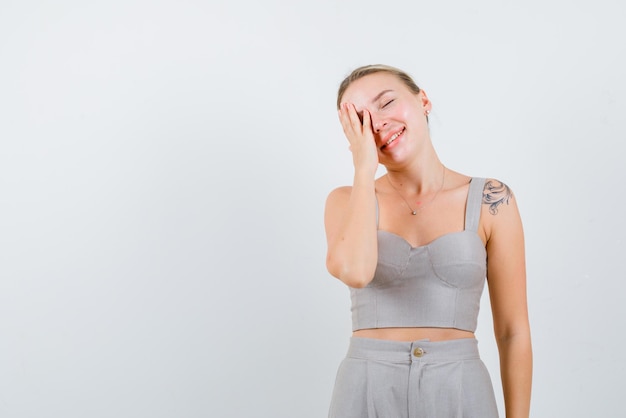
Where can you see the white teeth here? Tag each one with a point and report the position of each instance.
(393, 138)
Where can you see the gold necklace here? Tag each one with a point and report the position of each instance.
(414, 211)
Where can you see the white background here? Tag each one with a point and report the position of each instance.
(163, 171)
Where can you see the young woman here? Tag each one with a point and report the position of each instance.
(415, 247)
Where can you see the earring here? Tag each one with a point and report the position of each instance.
(427, 112)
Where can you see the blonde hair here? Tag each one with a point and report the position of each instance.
(371, 69)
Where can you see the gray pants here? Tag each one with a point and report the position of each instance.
(420, 379)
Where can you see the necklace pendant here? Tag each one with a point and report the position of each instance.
(414, 213)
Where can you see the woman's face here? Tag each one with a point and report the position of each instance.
(398, 115)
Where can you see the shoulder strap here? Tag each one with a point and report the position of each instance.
(474, 203)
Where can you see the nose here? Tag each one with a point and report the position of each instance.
(378, 123)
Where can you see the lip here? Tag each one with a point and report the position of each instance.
(387, 144)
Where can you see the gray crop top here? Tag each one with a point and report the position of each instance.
(434, 285)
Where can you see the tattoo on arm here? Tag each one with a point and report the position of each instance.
(495, 193)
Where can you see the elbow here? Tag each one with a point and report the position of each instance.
(355, 281)
(518, 333)
(352, 276)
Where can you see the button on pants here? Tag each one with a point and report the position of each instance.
(420, 379)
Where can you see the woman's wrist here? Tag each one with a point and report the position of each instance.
(364, 176)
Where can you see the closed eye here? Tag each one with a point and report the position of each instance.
(387, 104)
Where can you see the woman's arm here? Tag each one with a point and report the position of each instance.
(350, 214)
(506, 275)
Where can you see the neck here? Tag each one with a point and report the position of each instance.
(420, 179)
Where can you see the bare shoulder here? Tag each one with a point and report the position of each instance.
(500, 215)
(336, 204)
(337, 200)
(340, 191)
(338, 194)
(497, 196)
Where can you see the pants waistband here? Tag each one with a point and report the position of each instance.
(406, 352)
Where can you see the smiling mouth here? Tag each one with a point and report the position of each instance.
(393, 138)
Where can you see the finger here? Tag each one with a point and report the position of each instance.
(352, 126)
(355, 120)
(367, 121)
(344, 119)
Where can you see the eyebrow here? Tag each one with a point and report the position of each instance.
(379, 95)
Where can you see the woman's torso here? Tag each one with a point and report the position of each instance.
(441, 217)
